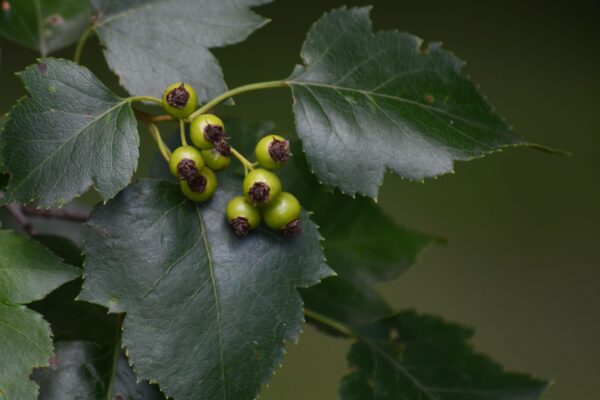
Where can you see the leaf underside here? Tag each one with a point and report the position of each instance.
(181, 276)
(151, 44)
(411, 356)
(71, 133)
(44, 25)
(366, 102)
(28, 272)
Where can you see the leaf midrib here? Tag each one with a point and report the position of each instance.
(370, 94)
(216, 297)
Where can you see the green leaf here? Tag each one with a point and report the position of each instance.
(88, 362)
(70, 134)
(366, 102)
(151, 44)
(410, 356)
(198, 299)
(44, 25)
(28, 272)
(86, 370)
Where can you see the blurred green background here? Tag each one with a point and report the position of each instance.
(521, 263)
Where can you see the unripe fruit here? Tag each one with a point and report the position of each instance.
(283, 214)
(272, 151)
(261, 186)
(179, 100)
(200, 188)
(186, 162)
(242, 216)
(215, 160)
(206, 130)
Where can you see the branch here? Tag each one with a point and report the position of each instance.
(67, 215)
(139, 114)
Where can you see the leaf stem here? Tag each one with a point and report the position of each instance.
(164, 150)
(145, 98)
(81, 43)
(331, 323)
(236, 91)
(248, 166)
(63, 214)
(182, 132)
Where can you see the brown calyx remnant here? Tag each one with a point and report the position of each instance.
(294, 228)
(223, 148)
(186, 169)
(197, 184)
(240, 226)
(279, 150)
(259, 193)
(178, 97)
(215, 134)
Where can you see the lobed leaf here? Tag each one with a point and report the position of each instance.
(366, 102)
(413, 356)
(153, 43)
(70, 134)
(44, 25)
(181, 276)
(28, 272)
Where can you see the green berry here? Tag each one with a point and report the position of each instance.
(261, 186)
(201, 187)
(283, 214)
(179, 100)
(272, 151)
(207, 130)
(215, 160)
(242, 216)
(186, 162)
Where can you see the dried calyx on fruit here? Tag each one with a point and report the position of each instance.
(242, 216)
(261, 186)
(272, 151)
(179, 100)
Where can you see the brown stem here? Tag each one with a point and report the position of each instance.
(68, 215)
(16, 212)
(144, 116)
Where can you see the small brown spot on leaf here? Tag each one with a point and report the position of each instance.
(42, 68)
(429, 98)
(394, 335)
(55, 20)
(5, 6)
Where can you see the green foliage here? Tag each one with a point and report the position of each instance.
(151, 43)
(366, 102)
(72, 133)
(28, 272)
(44, 25)
(410, 356)
(182, 276)
(204, 313)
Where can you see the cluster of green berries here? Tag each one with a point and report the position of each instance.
(195, 167)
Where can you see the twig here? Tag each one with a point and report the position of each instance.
(139, 114)
(16, 212)
(68, 215)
